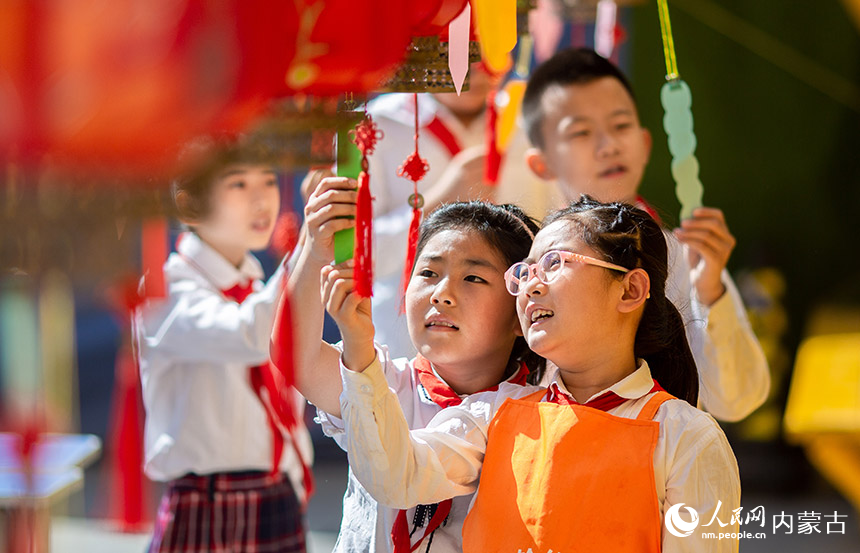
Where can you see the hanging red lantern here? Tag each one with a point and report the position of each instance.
(120, 83)
(344, 45)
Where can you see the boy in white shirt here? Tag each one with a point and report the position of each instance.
(582, 121)
(236, 466)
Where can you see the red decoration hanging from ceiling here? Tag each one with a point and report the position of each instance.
(120, 83)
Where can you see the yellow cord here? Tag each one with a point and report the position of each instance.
(668, 42)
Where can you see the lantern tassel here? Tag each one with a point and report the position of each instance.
(411, 247)
(364, 238)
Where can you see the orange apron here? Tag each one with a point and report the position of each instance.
(566, 478)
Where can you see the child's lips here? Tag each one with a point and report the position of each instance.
(440, 323)
(613, 172)
(261, 225)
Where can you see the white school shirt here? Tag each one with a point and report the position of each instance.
(734, 378)
(693, 462)
(195, 348)
(394, 115)
(366, 525)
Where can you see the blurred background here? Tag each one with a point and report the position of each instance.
(776, 101)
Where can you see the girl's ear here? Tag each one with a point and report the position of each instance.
(637, 286)
(185, 207)
(536, 161)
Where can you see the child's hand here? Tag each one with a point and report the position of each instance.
(711, 244)
(330, 208)
(351, 313)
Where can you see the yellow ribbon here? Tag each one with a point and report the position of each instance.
(668, 41)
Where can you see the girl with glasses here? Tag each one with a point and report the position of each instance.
(612, 456)
(461, 320)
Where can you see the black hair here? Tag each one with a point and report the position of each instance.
(508, 230)
(200, 161)
(628, 236)
(570, 66)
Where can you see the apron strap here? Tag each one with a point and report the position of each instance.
(647, 413)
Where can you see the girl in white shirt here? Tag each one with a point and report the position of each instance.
(235, 467)
(601, 459)
(463, 323)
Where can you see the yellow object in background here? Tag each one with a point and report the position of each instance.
(508, 113)
(823, 410)
(825, 389)
(496, 21)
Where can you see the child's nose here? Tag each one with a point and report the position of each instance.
(442, 293)
(533, 286)
(607, 144)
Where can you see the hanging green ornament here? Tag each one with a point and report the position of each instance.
(678, 124)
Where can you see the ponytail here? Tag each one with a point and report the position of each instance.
(662, 342)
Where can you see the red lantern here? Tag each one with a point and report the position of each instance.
(122, 82)
(344, 45)
(431, 17)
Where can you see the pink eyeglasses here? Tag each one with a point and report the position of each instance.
(548, 268)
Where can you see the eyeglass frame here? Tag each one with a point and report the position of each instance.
(565, 256)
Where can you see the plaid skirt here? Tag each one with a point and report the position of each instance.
(229, 512)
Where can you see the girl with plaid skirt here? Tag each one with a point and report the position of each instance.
(221, 430)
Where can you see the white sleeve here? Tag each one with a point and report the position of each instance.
(734, 379)
(703, 475)
(400, 468)
(199, 324)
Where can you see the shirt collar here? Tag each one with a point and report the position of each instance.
(220, 272)
(633, 386)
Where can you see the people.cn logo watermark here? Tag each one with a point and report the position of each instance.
(678, 526)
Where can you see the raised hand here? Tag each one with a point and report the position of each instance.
(710, 246)
(330, 208)
(351, 312)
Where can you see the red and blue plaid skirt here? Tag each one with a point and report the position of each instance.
(229, 512)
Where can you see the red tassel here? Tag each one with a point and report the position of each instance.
(364, 238)
(494, 155)
(414, 168)
(412, 246)
(154, 253)
(365, 137)
(128, 500)
(128, 496)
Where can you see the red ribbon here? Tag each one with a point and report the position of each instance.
(603, 402)
(277, 380)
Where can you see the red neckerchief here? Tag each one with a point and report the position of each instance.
(443, 396)
(604, 402)
(647, 208)
(443, 134)
(279, 410)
